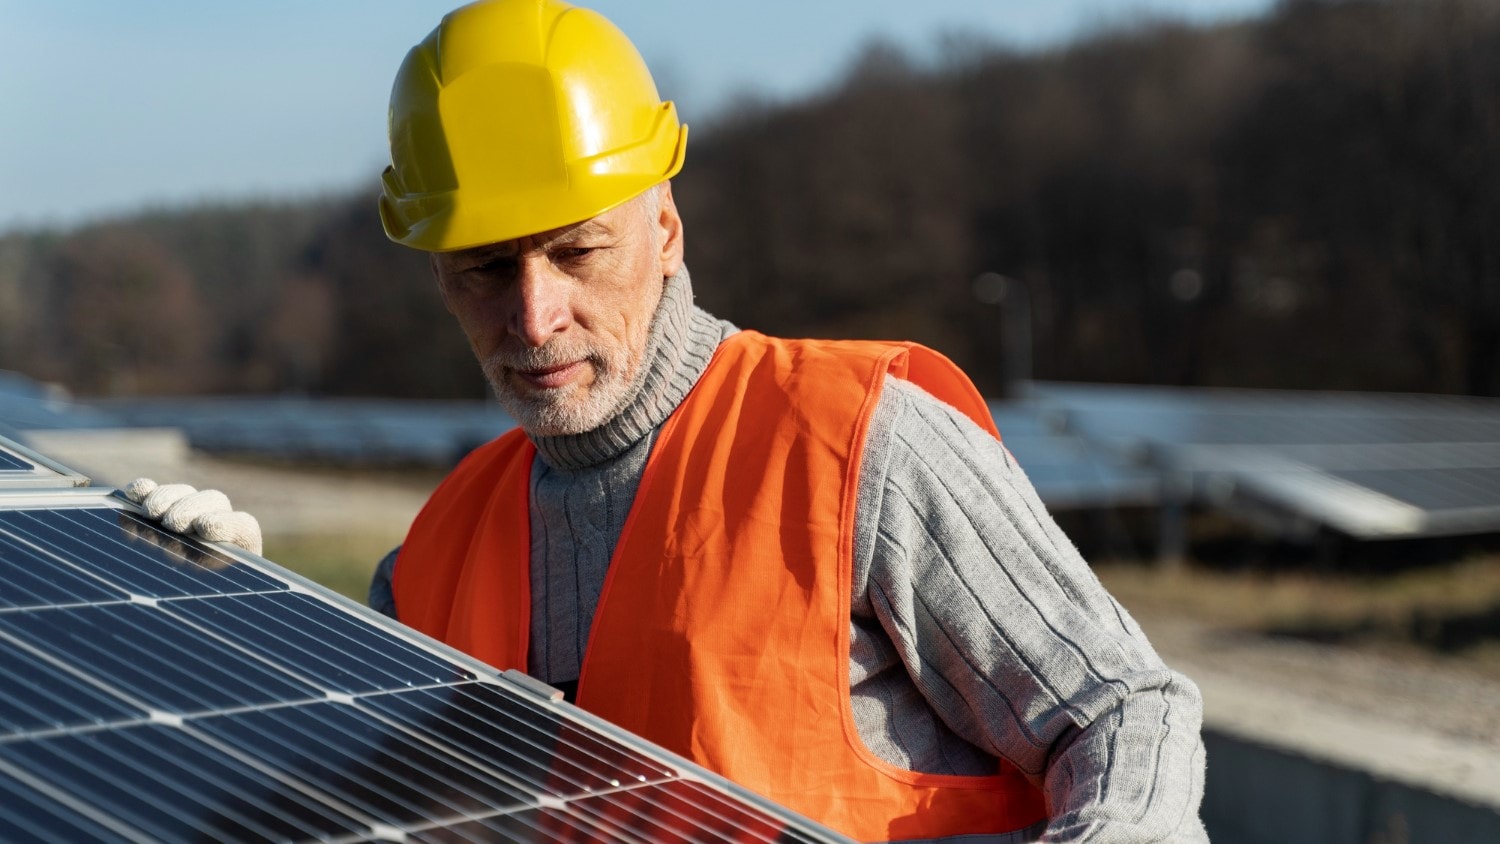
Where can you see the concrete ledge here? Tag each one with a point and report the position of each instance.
(1257, 794)
(1345, 738)
(1286, 769)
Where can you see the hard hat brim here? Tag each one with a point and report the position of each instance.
(451, 220)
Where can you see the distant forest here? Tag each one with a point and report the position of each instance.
(1307, 200)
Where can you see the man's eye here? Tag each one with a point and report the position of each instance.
(572, 253)
(498, 268)
(478, 278)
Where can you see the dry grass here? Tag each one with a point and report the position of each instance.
(343, 563)
(328, 523)
(1258, 598)
(1449, 610)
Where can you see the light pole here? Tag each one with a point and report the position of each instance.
(1014, 299)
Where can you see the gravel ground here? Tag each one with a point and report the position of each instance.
(1417, 721)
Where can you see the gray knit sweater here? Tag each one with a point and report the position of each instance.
(977, 631)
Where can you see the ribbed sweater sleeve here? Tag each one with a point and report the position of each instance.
(999, 625)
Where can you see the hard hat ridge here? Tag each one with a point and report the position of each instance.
(519, 116)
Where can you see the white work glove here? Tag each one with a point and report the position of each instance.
(207, 514)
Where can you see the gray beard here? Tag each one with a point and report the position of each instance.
(565, 410)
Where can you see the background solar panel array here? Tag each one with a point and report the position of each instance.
(357, 431)
(1370, 465)
(1068, 471)
(153, 688)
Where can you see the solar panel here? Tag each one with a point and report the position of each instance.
(361, 431)
(1197, 417)
(20, 467)
(155, 688)
(1069, 472)
(1368, 465)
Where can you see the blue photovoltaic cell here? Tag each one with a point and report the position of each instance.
(377, 768)
(173, 786)
(29, 817)
(152, 657)
(317, 642)
(672, 811)
(39, 695)
(33, 578)
(11, 463)
(154, 689)
(616, 791)
(675, 811)
(526, 825)
(547, 753)
(124, 549)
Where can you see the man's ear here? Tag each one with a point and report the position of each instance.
(670, 227)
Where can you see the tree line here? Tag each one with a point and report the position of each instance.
(1310, 199)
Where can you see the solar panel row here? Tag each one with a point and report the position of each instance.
(1067, 471)
(21, 467)
(1368, 465)
(13, 463)
(159, 689)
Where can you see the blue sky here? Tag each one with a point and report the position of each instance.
(110, 105)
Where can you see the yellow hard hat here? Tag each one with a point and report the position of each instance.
(518, 116)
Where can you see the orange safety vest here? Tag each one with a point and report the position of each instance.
(722, 632)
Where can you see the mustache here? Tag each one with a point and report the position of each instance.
(545, 357)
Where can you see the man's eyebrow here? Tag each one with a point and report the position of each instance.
(480, 254)
(511, 248)
(587, 228)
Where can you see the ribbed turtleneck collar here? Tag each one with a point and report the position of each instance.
(679, 345)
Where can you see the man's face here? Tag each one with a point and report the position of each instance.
(558, 320)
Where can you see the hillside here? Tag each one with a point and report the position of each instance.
(1306, 200)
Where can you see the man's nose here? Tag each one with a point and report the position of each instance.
(543, 309)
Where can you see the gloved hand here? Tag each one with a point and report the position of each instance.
(207, 514)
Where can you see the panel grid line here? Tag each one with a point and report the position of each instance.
(502, 769)
(38, 543)
(79, 806)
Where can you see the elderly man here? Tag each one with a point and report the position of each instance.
(808, 565)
